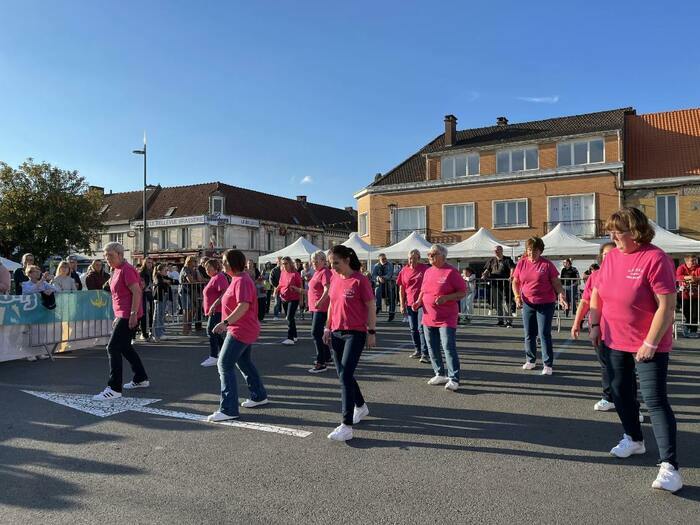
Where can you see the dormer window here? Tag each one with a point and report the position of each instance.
(217, 205)
(103, 209)
(170, 211)
(522, 159)
(459, 166)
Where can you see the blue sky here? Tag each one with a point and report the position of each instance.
(314, 98)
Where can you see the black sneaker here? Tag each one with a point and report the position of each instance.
(499, 323)
(415, 355)
(390, 318)
(425, 359)
(318, 368)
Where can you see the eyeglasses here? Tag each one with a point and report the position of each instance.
(433, 254)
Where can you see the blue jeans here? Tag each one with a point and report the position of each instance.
(237, 353)
(652, 382)
(216, 341)
(439, 339)
(318, 323)
(347, 346)
(537, 320)
(278, 306)
(159, 317)
(415, 322)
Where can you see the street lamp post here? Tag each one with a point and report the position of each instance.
(144, 212)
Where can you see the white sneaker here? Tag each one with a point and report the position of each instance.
(452, 385)
(219, 416)
(438, 380)
(209, 361)
(143, 384)
(668, 478)
(142, 338)
(31, 358)
(295, 339)
(342, 433)
(529, 366)
(107, 395)
(359, 414)
(604, 406)
(546, 370)
(288, 342)
(249, 403)
(154, 339)
(641, 417)
(626, 447)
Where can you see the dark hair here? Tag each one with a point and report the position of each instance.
(235, 259)
(594, 266)
(535, 243)
(214, 263)
(633, 221)
(347, 253)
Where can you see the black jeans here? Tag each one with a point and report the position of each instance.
(290, 311)
(120, 345)
(147, 319)
(652, 382)
(318, 323)
(602, 353)
(500, 297)
(216, 341)
(262, 307)
(347, 347)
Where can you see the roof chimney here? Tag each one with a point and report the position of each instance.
(377, 177)
(450, 130)
(501, 121)
(301, 198)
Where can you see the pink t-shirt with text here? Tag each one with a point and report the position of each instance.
(536, 280)
(627, 284)
(349, 298)
(318, 282)
(288, 279)
(242, 290)
(411, 280)
(122, 277)
(216, 286)
(438, 282)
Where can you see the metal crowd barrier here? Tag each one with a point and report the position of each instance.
(688, 309)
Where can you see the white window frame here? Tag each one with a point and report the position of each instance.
(425, 215)
(658, 221)
(510, 159)
(117, 237)
(214, 200)
(510, 227)
(590, 194)
(452, 158)
(359, 224)
(571, 143)
(444, 221)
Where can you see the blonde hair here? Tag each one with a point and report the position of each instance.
(31, 268)
(61, 265)
(189, 259)
(24, 259)
(633, 221)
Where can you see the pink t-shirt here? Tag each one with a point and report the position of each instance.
(349, 298)
(536, 280)
(438, 282)
(318, 282)
(288, 279)
(627, 284)
(242, 290)
(213, 290)
(411, 279)
(590, 284)
(119, 283)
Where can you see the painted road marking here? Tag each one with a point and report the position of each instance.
(85, 403)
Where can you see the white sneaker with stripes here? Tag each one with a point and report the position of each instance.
(107, 395)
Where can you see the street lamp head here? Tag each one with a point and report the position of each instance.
(139, 152)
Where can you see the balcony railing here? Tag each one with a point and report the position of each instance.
(586, 229)
(432, 236)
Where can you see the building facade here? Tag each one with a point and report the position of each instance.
(205, 219)
(517, 180)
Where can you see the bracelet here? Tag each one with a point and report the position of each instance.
(649, 345)
(594, 325)
(327, 330)
(371, 332)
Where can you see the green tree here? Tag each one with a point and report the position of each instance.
(46, 210)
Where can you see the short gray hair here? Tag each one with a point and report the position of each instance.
(440, 249)
(319, 254)
(114, 247)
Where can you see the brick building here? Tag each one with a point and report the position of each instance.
(662, 172)
(516, 179)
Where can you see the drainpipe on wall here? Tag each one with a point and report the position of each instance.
(619, 173)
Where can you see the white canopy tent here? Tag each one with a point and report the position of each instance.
(478, 246)
(362, 249)
(299, 249)
(399, 251)
(672, 243)
(10, 265)
(562, 243)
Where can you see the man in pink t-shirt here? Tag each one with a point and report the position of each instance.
(409, 281)
(441, 291)
(125, 284)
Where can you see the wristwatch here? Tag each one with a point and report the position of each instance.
(371, 332)
(133, 312)
(225, 321)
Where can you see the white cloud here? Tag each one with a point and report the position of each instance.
(473, 96)
(541, 100)
(306, 180)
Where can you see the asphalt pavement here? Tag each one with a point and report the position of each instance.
(511, 446)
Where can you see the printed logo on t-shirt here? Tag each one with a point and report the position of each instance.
(634, 273)
(349, 293)
(442, 280)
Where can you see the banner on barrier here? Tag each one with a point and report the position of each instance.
(93, 305)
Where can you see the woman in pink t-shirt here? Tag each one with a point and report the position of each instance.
(318, 300)
(409, 281)
(632, 311)
(536, 285)
(212, 294)
(239, 312)
(441, 290)
(290, 289)
(350, 326)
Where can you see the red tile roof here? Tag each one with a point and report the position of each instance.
(661, 145)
